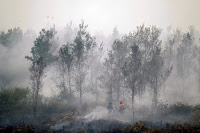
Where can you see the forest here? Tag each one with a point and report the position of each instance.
(63, 80)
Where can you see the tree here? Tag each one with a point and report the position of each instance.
(12, 100)
(44, 46)
(171, 45)
(95, 66)
(157, 73)
(153, 71)
(132, 68)
(12, 37)
(41, 56)
(70, 32)
(198, 66)
(115, 34)
(119, 52)
(185, 56)
(37, 73)
(107, 77)
(147, 39)
(64, 65)
(145, 65)
(83, 43)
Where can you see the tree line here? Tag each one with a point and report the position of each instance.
(137, 63)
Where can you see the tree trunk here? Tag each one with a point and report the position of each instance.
(133, 94)
(111, 99)
(183, 86)
(119, 78)
(96, 85)
(183, 79)
(35, 102)
(70, 91)
(80, 95)
(155, 92)
(140, 91)
(118, 88)
(34, 106)
(199, 80)
(80, 83)
(80, 90)
(34, 110)
(155, 97)
(64, 87)
(63, 81)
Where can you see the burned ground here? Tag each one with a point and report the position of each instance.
(172, 120)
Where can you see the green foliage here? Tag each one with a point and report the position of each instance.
(12, 100)
(115, 34)
(64, 66)
(180, 109)
(43, 46)
(83, 43)
(186, 54)
(66, 55)
(195, 115)
(13, 36)
(42, 54)
(55, 106)
(109, 62)
(189, 113)
(107, 77)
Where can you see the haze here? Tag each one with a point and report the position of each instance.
(99, 66)
(99, 15)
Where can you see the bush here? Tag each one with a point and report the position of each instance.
(55, 105)
(180, 109)
(12, 100)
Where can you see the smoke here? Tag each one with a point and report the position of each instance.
(14, 67)
(97, 114)
(172, 92)
(174, 89)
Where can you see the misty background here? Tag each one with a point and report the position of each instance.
(98, 65)
(107, 21)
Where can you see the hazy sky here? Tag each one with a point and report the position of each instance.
(101, 15)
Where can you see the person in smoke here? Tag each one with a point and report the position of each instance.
(121, 107)
(110, 108)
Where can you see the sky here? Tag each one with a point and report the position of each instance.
(100, 15)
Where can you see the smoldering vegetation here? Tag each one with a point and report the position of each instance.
(62, 80)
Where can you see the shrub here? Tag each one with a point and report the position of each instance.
(12, 100)
(180, 109)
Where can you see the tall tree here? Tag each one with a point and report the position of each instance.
(63, 66)
(11, 37)
(41, 56)
(147, 39)
(70, 32)
(119, 52)
(95, 67)
(132, 68)
(115, 34)
(157, 73)
(107, 77)
(147, 66)
(185, 56)
(198, 66)
(37, 74)
(65, 63)
(170, 51)
(83, 43)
